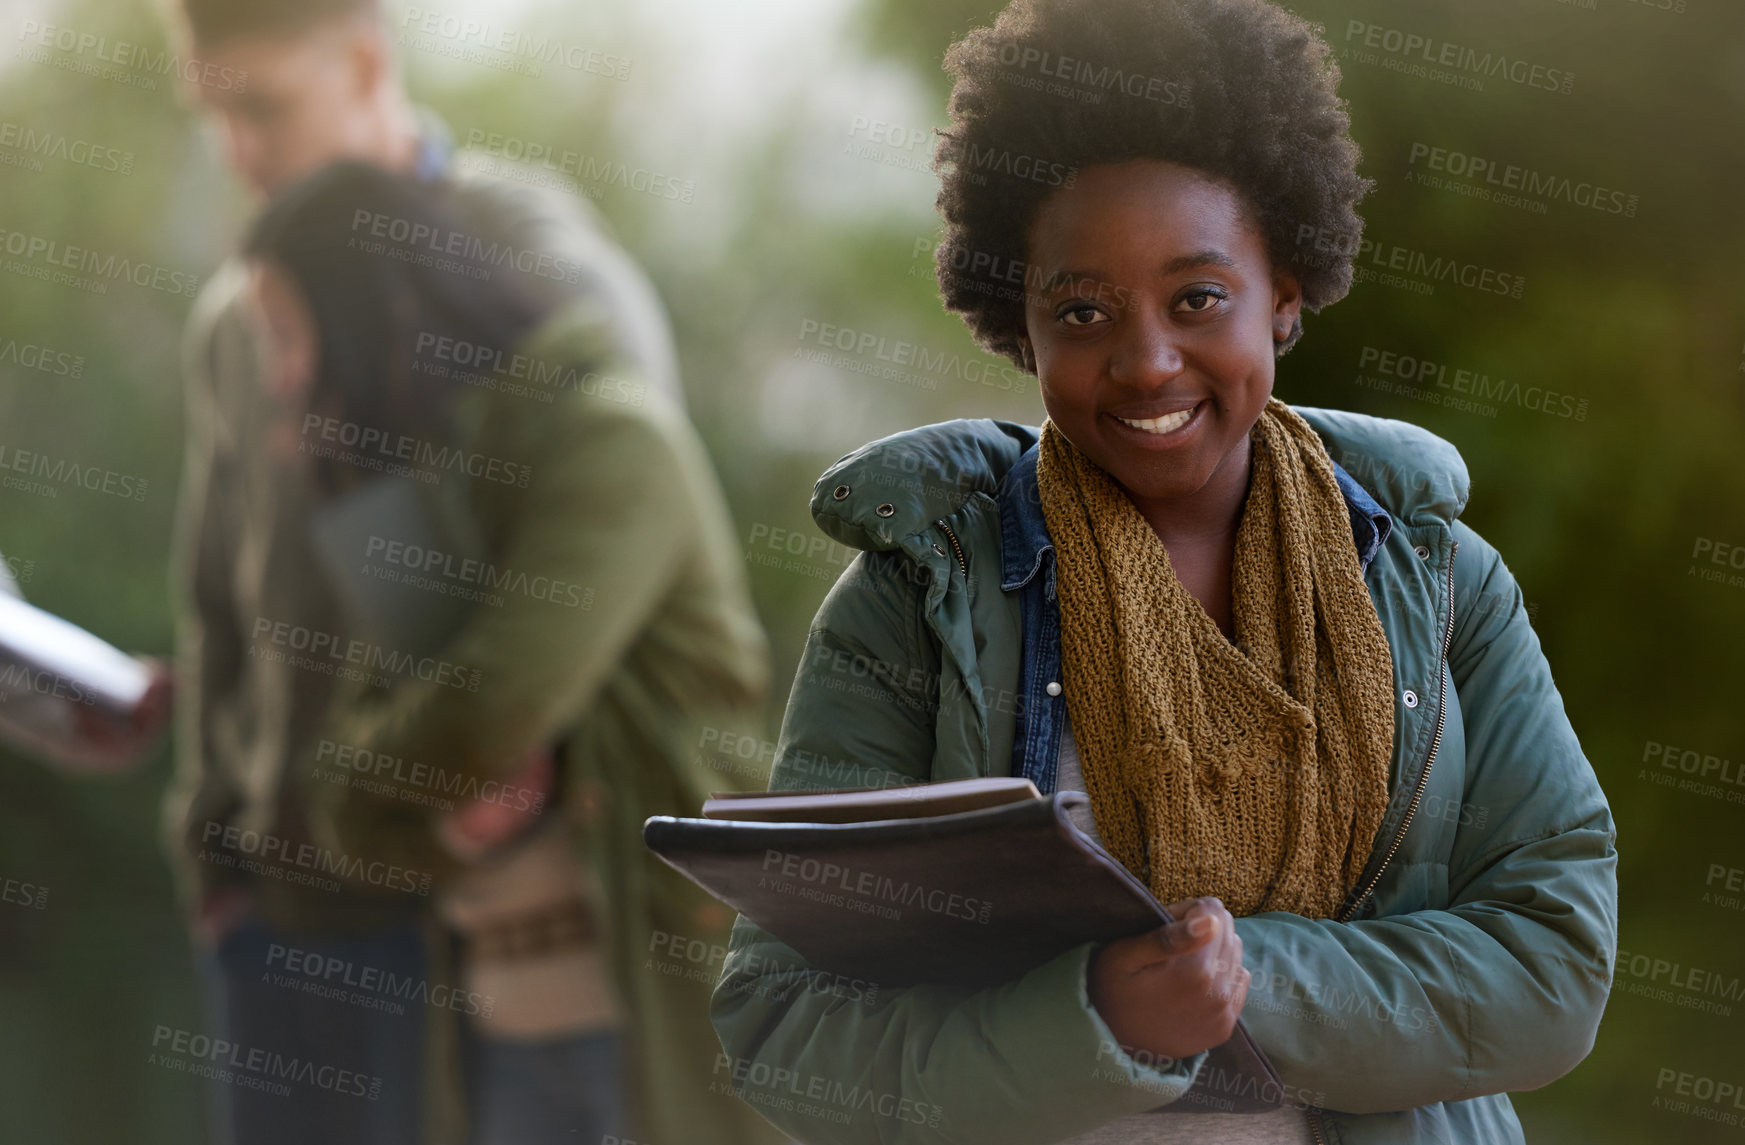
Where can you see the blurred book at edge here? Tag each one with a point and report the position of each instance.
(72, 698)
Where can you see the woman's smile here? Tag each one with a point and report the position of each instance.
(1162, 430)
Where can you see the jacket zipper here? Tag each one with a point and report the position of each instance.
(1417, 793)
(955, 547)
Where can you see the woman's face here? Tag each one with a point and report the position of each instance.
(288, 347)
(1152, 315)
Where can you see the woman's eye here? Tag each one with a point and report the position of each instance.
(1199, 301)
(1080, 315)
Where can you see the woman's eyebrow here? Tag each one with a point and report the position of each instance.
(1208, 257)
(1211, 256)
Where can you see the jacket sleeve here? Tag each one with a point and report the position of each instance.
(211, 650)
(833, 1061)
(1503, 990)
(604, 524)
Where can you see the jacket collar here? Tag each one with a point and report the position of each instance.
(435, 145)
(1024, 532)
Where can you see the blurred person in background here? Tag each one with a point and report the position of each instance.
(469, 762)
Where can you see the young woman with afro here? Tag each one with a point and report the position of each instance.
(1302, 696)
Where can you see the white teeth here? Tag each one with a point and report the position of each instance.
(1168, 423)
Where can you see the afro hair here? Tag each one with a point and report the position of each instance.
(1239, 90)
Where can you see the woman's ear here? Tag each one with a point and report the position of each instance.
(1028, 354)
(1287, 304)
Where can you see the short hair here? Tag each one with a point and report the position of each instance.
(1240, 90)
(214, 21)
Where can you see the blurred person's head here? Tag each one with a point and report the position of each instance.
(352, 311)
(318, 82)
(1141, 198)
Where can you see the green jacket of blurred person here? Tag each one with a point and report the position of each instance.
(634, 643)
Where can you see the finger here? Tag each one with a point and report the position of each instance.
(1194, 933)
(1230, 947)
(1178, 909)
(1126, 956)
(1239, 996)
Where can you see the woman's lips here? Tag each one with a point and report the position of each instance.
(1163, 426)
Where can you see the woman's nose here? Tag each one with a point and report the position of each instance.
(1146, 354)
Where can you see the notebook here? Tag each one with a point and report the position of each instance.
(965, 883)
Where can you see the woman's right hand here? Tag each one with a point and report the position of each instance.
(1176, 990)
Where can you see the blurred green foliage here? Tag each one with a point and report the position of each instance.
(1639, 318)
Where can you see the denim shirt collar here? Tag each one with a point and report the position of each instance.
(1024, 531)
(435, 145)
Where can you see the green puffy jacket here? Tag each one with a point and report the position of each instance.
(1479, 964)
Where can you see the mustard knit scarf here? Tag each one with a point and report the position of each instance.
(1256, 772)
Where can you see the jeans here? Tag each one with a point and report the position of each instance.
(566, 1089)
(260, 987)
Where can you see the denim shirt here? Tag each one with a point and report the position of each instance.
(1026, 550)
(435, 146)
